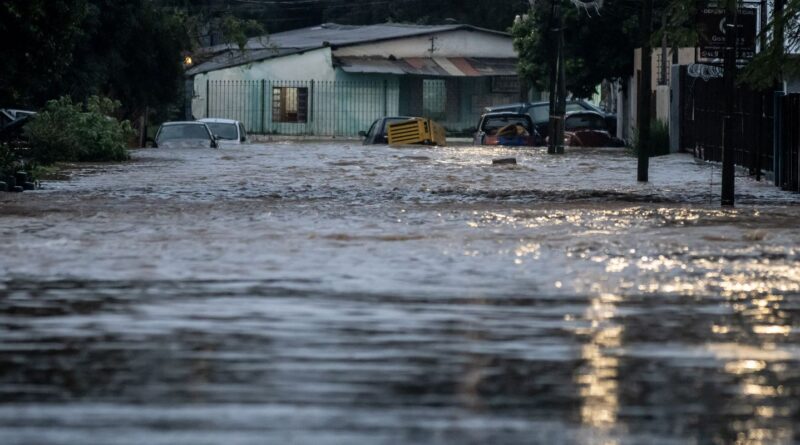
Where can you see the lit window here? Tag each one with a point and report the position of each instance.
(289, 104)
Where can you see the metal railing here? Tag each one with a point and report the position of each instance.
(343, 108)
(788, 160)
(701, 121)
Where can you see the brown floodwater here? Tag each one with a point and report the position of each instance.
(330, 293)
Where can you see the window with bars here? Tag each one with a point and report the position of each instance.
(290, 104)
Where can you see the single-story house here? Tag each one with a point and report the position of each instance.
(335, 79)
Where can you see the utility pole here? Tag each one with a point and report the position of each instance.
(553, 44)
(561, 105)
(729, 75)
(645, 88)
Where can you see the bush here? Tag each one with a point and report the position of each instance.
(659, 139)
(66, 131)
(9, 162)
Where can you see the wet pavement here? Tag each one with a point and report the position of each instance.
(330, 293)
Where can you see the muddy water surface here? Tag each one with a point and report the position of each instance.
(330, 293)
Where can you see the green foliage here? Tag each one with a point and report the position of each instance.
(9, 161)
(133, 52)
(66, 131)
(773, 63)
(597, 47)
(128, 50)
(659, 139)
(239, 30)
(39, 40)
(285, 15)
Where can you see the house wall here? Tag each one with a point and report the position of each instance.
(661, 103)
(311, 65)
(461, 43)
(341, 103)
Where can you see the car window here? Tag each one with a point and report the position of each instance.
(575, 106)
(224, 130)
(188, 131)
(491, 124)
(584, 121)
(371, 130)
(539, 113)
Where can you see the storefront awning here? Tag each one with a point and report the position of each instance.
(435, 66)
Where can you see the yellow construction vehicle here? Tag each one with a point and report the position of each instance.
(417, 130)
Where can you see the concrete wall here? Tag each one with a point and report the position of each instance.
(311, 65)
(448, 44)
(662, 98)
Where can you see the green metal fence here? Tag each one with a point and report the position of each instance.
(324, 108)
(343, 108)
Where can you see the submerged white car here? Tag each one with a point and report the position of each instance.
(227, 131)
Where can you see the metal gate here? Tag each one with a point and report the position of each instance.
(702, 105)
(788, 162)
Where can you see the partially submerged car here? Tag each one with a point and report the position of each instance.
(227, 131)
(540, 113)
(189, 134)
(378, 132)
(506, 128)
(588, 129)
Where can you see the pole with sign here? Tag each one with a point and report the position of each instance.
(727, 37)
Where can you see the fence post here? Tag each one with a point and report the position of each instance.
(385, 99)
(777, 136)
(310, 108)
(208, 96)
(262, 105)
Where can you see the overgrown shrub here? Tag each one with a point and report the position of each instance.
(9, 162)
(66, 131)
(659, 139)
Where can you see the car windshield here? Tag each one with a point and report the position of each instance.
(185, 131)
(540, 113)
(584, 121)
(224, 130)
(492, 124)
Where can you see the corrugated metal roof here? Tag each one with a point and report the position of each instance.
(437, 66)
(235, 58)
(341, 35)
(329, 34)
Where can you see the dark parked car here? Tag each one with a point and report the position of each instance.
(378, 131)
(184, 135)
(588, 129)
(540, 113)
(506, 128)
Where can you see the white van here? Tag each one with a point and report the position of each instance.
(227, 131)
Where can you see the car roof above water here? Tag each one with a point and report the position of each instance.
(183, 123)
(218, 120)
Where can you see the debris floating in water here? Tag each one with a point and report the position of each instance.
(501, 161)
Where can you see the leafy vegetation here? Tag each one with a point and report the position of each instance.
(597, 46)
(285, 15)
(66, 131)
(659, 139)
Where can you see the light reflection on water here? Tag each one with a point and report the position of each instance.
(342, 295)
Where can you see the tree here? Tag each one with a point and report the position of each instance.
(773, 63)
(131, 52)
(40, 39)
(597, 46)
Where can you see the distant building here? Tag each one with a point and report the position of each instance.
(335, 79)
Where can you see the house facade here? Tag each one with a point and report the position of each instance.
(334, 80)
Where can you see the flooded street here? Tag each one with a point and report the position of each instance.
(330, 293)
